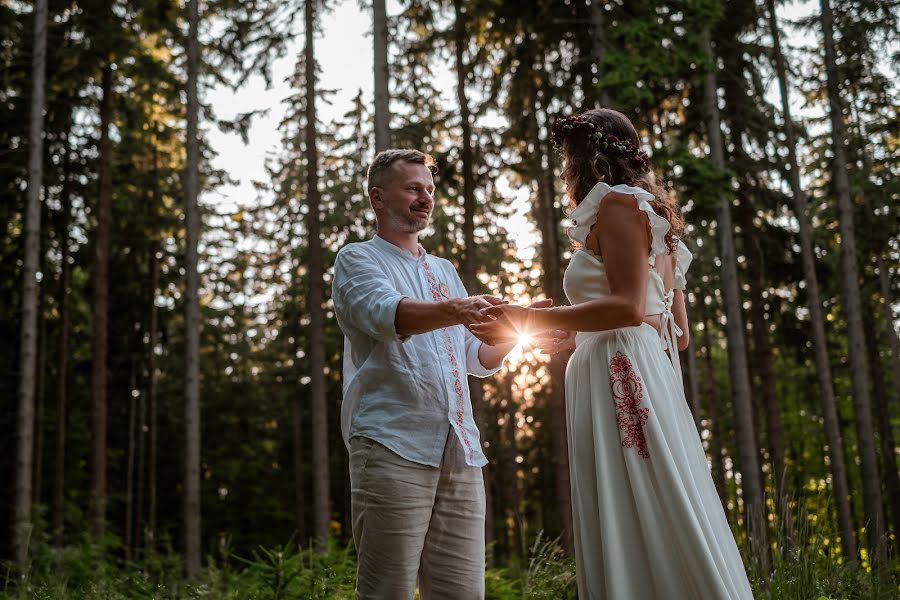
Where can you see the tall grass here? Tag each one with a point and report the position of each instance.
(92, 569)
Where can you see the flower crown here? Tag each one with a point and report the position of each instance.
(599, 139)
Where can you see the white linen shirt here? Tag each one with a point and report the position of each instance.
(400, 390)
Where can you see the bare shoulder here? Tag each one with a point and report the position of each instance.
(618, 208)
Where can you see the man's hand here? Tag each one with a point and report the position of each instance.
(553, 341)
(468, 311)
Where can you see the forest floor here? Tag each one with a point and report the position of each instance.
(97, 571)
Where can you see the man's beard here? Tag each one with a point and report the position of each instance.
(407, 222)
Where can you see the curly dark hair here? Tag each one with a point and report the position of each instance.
(587, 162)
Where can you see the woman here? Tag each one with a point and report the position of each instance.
(647, 519)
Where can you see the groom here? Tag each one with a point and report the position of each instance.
(417, 494)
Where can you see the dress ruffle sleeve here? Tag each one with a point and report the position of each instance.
(683, 258)
(584, 216)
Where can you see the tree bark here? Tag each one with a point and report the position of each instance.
(101, 312)
(511, 479)
(299, 487)
(62, 369)
(140, 472)
(840, 488)
(548, 219)
(382, 79)
(853, 303)
(192, 480)
(469, 266)
(889, 331)
(321, 474)
(151, 392)
(762, 349)
(129, 466)
(716, 447)
(882, 412)
(39, 386)
(600, 43)
(754, 507)
(688, 360)
(21, 513)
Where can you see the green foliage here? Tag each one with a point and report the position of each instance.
(551, 574)
(89, 570)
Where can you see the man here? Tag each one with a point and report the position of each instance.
(417, 493)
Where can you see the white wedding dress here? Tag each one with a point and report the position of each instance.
(648, 522)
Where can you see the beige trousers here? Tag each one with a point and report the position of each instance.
(412, 521)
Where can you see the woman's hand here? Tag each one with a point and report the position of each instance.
(553, 341)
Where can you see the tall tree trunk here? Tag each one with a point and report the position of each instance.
(511, 477)
(548, 219)
(840, 488)
(382, 79)
(21, 513)
(882, 412)
(153, 337)
(734, 328)
(141, 471)
(299, 488)
(688, 360)
(853, 304)
(600, 43)
(470, 261)
(151, 391)
(716, 446)
(890, 333)
(129, 466)
(62, 349)
(39, 386)
(321, 475)
(882, 409)
(192, 524)
(101, 312)
(763, 358)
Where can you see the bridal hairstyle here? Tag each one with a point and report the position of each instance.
(602, 145)
(380, 170)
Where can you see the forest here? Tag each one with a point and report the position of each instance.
(170, 409)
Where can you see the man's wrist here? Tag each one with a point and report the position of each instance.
(453, 312)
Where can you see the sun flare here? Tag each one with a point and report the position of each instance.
(524, 339)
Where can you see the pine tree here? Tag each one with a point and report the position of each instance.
(192, 477)
(850, 274)
(21, 522)
(754, 506)
(808, 259)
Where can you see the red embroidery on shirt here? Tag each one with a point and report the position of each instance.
(454, 367)
(628, 392)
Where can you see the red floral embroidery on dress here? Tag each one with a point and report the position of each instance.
(628, 392)
(454, 366)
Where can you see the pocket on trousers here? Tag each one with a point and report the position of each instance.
(361, 449)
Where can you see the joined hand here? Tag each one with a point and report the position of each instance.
(505, 323)
(471, 310)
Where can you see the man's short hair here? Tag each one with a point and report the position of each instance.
(380, 169)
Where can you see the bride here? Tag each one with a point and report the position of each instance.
(647, 520)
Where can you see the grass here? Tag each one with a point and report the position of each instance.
(93, 570)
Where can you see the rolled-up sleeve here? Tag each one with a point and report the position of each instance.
(364, 297)
(473, 363)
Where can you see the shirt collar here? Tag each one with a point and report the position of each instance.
(387, 246)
